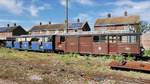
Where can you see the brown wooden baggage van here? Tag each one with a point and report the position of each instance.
(99, 44)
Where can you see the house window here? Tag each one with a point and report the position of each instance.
(96, 39)
(76, 30)
(113, 39)
(62, 38)
(103, 38)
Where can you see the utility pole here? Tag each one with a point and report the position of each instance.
(66, 21)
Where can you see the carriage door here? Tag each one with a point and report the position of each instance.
(85, 44)
(60, 43)
(112, 45)
(72, 44)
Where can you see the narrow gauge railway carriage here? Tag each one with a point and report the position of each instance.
(9, 43)
(84, 43)
(99, 44)
(34, 43)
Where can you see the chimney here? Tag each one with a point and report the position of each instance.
(125, 13)
(49, 22)
(40, 23)
(109, 15)
(7, 25)
(78, 20)
(15, 24)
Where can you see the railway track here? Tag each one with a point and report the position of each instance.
(107, 79)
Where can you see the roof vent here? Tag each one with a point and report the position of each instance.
(109, 15)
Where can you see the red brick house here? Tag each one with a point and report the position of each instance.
(46, 29)
(10, 31)
(59, 28)
(118, 24)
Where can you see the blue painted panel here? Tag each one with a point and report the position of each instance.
(25, 45)
(47, 45)
(9, 44)
(35, 46)
(17, 45)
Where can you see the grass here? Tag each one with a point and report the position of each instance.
(51, 68)
(147, 53)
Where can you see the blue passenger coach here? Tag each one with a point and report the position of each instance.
(32, 42)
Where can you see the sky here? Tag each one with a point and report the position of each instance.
(28, 13)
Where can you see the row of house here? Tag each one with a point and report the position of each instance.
(59, 28)
(109, 24)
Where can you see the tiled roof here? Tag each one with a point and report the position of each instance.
(7, 29)
(118, 20)
(48, 27)
(59, 27)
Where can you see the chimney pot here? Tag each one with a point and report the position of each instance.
(78, 20)
(40, 23)
(15, 24)
(7, 25)
(125, 13)
(109, 15)
(49, 22)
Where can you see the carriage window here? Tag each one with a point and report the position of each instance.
(128, 39)
(23, 39)
(132, 39)
(112, 39)
(17, 39)
(49, 39)
(124, 39)
(62, 38)
(28, 39)
(34, 39)
(103, 38)
(96, 39)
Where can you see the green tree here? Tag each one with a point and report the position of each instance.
(145, 26)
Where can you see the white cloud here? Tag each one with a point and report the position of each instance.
(82, 2)
(62, 2)
(17, 7)
(12, 6)
(34, 10)
(85, 2)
